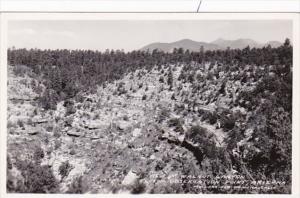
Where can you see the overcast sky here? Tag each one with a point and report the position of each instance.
(131, 35)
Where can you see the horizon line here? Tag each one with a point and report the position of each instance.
(140, 49)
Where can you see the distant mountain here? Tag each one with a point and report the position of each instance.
(273, 43)
(242, 43)
(217, 44)
(236, 44)
(185, 44)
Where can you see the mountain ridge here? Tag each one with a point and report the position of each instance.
(218, 44)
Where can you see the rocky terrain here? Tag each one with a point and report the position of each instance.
(112, 133)
(142, 132)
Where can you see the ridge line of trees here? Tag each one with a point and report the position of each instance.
(66, 72)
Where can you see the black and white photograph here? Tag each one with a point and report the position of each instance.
(149, 106)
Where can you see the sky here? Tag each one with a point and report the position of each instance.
(132, 35)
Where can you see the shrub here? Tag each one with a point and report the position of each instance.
(164, 113)
(161, 79)
(182, 75)
(227, 122)
(46, 139)
(56, 133)
(38, 89)
(199, 78)
(35, 111)
(204, 139)
(196, 130)
(49, 128)
(177, 123)
(211, 117)
(233, 137)
(38, 154)
(69, 121)
(72, 152)
(173, 97)
(20, 123)
(57, 144)
(125, 118)
(37, 179)
(70, 109)
(9, 164)
(64, 169)
(191, 78)
(79, 98)
(138, 188)
(40, 179)
(30, 122)
(174, 122)
(179, 88)
(49, 99)
(179, 108)
(170, 79)
(144, 97)
(159, 165)
(77, 186)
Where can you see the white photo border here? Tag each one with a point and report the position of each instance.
(7, 17)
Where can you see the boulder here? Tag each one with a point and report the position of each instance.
(75, 133)
(95, 124)
(94, 135)
(39, 120)
(122, 125)
(130, 179)
(65, 129)
(32, 132)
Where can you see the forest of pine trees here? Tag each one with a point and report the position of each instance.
(69, 71)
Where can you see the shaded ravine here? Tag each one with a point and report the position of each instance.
(193, 149)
